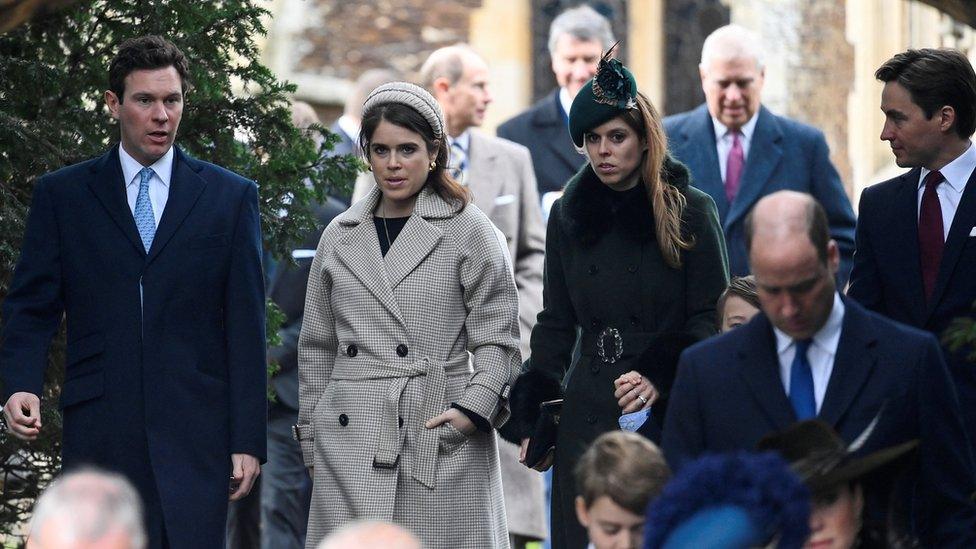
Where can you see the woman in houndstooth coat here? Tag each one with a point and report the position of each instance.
(409, 344)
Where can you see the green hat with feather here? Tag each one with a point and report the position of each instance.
(611, 92)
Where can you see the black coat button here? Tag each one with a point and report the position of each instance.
(595, 323)
(591, 419)
(632, 269)
(594, 269)
(343, 420)
(401, 350)
(352, 350)
(635, 320)
(594, 368)
(400, 421)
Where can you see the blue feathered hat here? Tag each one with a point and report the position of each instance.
(730, 501)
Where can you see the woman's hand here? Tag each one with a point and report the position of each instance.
(634, 392)
(456, 418)
(541, 467)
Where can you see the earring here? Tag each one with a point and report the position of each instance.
(433, 165)
(369, 167)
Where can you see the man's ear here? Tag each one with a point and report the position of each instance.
(113, 103)
(441, 86)
(947, 118)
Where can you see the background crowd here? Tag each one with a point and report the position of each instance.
(826, 412)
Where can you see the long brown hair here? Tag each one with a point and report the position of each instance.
(406, 117)
(667, 202)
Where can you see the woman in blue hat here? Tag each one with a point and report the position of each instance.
(635, 261)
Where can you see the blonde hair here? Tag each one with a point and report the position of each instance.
(623, 466)
(667, 201)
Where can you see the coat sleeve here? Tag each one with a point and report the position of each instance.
(317, 345)
(706, 267)
(530, 251)
(552, 341)
(683, 439)
(828, 189)
(491, 324)
(244, 318)
(945, 460)
(34, 306)
(865, 276)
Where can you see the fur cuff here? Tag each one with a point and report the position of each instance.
(532, 388)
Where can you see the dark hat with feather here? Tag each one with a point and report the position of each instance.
(819, 456)
(609, 93)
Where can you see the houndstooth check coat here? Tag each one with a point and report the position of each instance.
(389, 342)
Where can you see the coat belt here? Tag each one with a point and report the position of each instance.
(425, 452)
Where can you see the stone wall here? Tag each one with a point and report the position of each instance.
(687, 23)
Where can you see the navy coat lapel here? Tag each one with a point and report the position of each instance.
(765, 151)
(697, 150)
(758, 364)
(108, 185)
(185, 187)
(962, 223)
(551, 124)
(904, 230)
(853, 363)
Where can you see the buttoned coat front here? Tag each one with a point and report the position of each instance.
(389, 342)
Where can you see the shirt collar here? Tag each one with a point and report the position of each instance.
(826, 338)
(747, 129)
(957, 172)
(565, 101)
(349, 126)
(163, 168)
(464, 140)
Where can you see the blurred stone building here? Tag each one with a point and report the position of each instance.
(821, 54)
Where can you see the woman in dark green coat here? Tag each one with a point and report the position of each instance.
(635, 261)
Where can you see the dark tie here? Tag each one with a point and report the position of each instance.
(733, 167)
(801, 382)
(931, 236)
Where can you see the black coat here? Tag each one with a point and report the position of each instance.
(544, 131)
(604, 270)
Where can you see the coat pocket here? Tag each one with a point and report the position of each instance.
(82, 388)
(450, 439)
(209, 241)
(83, 348)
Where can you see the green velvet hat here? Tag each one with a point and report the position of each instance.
(609, 93)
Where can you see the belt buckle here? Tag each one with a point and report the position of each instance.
(617, 343)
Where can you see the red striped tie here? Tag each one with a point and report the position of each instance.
(931, 235)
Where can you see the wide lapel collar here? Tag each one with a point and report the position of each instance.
(758, 365)
(550, 120)
(765, 151)
(904, 230)
(418, 238)
(853, 363)
(698, 151)
(108, 185)
(359, 251)
(962, 224)
(483, 180)
(185, 187)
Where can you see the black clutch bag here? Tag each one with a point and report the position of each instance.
(543, 440)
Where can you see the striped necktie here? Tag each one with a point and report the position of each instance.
(459, 162)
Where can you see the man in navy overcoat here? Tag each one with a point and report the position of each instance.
(153, 259)
(738, 151)
(929, 102)
(811, 353)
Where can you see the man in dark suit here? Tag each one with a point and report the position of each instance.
(738, 151)
(916, 235)
(153, 259)
(577, 39)
(812, 353)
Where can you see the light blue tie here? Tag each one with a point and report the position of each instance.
(145, 220)
(801, 383)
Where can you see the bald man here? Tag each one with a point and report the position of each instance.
(811, 353)
(371, 535)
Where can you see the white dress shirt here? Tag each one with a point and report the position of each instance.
(158, 185)
(349, 126)
(821, 354)
(956, 174)
(723, 140)
(565, 101)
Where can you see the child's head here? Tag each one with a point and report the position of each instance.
(615, 479)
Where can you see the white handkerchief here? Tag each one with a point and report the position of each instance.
(302, 254)
(972, 232)
(505, 199)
